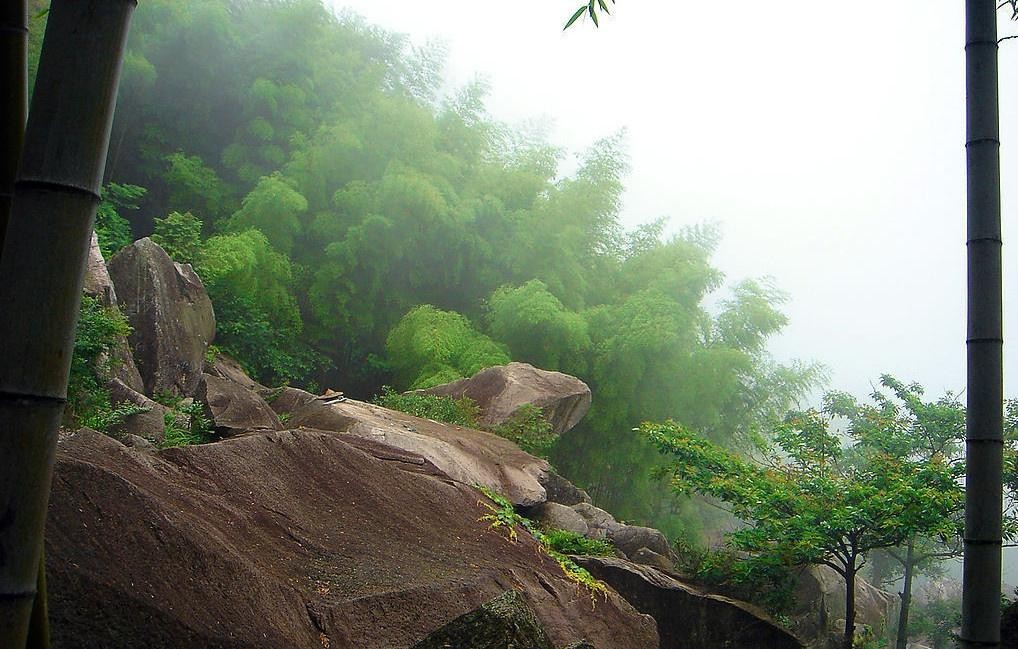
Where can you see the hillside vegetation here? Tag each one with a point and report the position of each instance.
(357, 226)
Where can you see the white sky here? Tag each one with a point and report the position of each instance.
(827, 139)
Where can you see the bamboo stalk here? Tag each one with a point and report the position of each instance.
(984, 420)
(13, 108)
(41, 270)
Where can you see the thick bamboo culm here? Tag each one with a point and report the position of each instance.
(985, 394)
(13, 104)
(41, 269)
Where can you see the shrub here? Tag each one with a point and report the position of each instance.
(197, 430)
(95, 337)
(529, 430)
(459, 412)
(566, 542)
(503, 518)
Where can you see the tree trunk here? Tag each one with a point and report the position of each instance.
(13, 107)
(906, 597)
(849, 638)
(984, 423)
(41, 270)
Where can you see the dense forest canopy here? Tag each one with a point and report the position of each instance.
(357, 226)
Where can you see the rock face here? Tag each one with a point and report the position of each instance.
(501, 391)
(170, 314)
(232, 409)
(466, 455)
(288, 539)
(688, 618)
(505, 621)
(819, 615)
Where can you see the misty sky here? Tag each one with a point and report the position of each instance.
(827, 140)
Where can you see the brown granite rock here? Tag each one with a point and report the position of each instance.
(687, 617)
(232, 409)
(288, 539)
(466, 455)
(500, 391)
(170, 314)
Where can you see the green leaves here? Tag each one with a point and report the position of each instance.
(590, 9)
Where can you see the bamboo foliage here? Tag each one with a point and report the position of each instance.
(984, 422)
(41, 270)
(13, 107)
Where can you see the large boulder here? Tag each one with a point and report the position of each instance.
(289, 539)
(170, 314)
(501, 391)
(819, 613)
(505, 621)
(551, 515)
(232, 409)
(632, 538)
(468, 456)
(687, 617)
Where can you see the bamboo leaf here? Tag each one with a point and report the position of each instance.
(575, 17)
(604, 7)
(593, 14)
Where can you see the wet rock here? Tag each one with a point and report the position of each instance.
(687, 617)
(288, 539)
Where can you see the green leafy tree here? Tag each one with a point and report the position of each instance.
(194, 186)
(274, 208)
(180, 236)
(112, 229)
(814, 501)
(430, 346)
(536, 327)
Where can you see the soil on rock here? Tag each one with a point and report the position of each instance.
(288, 539)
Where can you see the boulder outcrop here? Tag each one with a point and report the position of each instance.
(502, 390)
(687, 617)
(170, 314)
(289, 539)
(233, 409)
(466, 455)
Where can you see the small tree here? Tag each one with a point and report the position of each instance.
(812, 500)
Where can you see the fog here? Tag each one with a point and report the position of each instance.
(827, 142)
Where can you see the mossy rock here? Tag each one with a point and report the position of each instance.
(506, 622)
